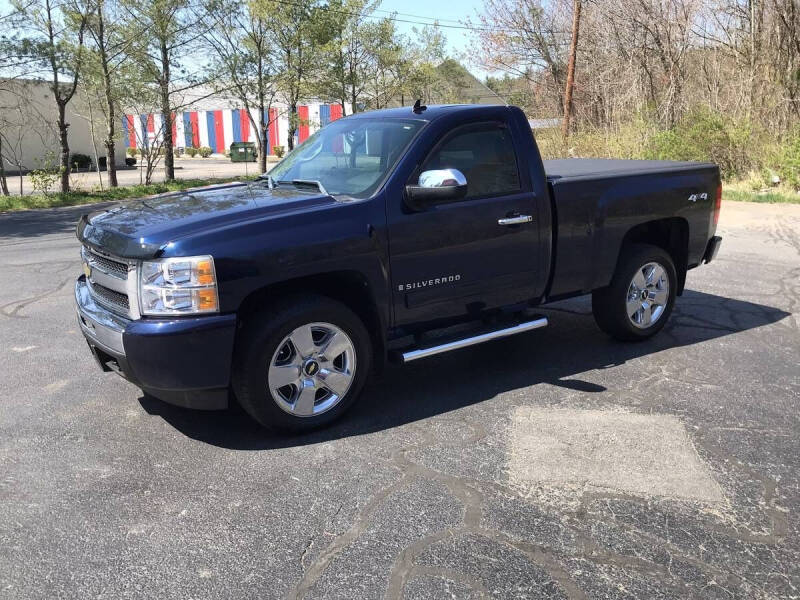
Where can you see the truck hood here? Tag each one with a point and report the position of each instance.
(142, 228)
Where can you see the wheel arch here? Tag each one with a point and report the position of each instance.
(671, 234)
(349, 287)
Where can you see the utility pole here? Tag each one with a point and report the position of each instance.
(573, 49)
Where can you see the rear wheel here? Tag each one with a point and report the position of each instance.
(640, 298)
(303, 364)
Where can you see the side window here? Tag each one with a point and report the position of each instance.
(484, 154)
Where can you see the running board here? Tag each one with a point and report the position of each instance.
(410, 355)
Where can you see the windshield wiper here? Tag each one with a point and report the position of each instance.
(319, 185)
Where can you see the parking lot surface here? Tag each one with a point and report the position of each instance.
(555, 464)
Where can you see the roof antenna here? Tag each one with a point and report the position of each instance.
(419, 107)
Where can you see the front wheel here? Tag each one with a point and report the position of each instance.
(640, 298)
(302, 364)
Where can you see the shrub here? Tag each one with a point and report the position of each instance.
(130, 161)
(787, 164)
(205, 151)
(191, 152)
(278, 151)
(80, 161)
(43, 180)
(704, 135)
(132, 151)
(102, 163)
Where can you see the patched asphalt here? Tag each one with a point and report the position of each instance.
(556, 464)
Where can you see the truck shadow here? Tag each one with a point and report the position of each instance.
(556, 355)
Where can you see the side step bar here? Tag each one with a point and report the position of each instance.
(410, 355)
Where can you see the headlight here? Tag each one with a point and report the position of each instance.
(178, 286)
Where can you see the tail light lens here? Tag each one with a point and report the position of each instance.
(718, 204)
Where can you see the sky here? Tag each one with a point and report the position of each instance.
(449, 12)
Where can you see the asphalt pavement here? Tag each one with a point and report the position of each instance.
(555, 464)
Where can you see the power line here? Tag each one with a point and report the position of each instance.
(394, 12)
(351, 13)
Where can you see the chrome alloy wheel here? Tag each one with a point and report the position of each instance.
(312, 369)
(648, 294)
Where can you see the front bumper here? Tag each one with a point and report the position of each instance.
(184, 361)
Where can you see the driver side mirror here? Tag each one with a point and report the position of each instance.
(436, 187)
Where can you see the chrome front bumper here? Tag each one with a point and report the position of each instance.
(100, 326)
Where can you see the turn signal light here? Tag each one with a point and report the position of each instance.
(206, 300)
(205, 272)
(718, 204)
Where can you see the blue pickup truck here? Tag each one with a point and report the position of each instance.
(390, 235)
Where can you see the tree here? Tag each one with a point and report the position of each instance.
(524, 38)
(347, 54)
(110, 44)
(20, 120)
(298, 31)
(169, 31)
(244, 63)
(55, 42)
(9, 59)
(573, 50)
(388, 68)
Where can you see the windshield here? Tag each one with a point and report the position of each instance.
(350, 157)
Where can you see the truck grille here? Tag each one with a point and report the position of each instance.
(112, 282)
(110, 299)
(113, 267)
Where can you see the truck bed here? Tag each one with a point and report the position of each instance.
(597, 201)
(598, 168)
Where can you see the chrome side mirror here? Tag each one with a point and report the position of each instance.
(436, 187)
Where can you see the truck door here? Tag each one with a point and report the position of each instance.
(475, 253)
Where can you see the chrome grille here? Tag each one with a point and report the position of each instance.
(113, 267)
(113, 282)
(114, 300)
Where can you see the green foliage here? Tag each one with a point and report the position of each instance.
(774, 196)
(191, 152)
(43, 180)
(278, 151)
(132, 151)
(704, 135)
(744, 151)
(205, 151)
(787, 164)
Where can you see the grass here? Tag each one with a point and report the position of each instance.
(742, 191)
(74, 198)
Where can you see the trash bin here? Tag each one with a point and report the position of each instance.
(243, 152)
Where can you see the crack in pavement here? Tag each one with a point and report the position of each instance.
(467, 491)
(12, 309)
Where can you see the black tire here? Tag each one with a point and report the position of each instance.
(609, 304)
(259, 340)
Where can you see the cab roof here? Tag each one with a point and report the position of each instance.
(432, 112)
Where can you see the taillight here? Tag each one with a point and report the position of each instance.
(718, 204)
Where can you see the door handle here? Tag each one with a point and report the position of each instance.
(515, 220)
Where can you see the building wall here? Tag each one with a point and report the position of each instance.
(28, 117)
(219, 124)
